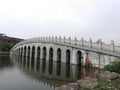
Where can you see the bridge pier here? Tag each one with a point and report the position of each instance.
(55, 55)
(73, 58)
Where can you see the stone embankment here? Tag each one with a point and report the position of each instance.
(89, 82)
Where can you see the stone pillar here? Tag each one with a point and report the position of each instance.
(63, 55)
(100, 44)
(52, 39)
(35, 60)
(49, 39)
(64, 40)
(30, 57)
(60, 39)
(90, 43)
(26, 55)
(75, 40)
(55, 54)
(69, 40)
(41, 52)
(55, 38)
(47, 53)
(73, 56)
(46, 39)
(82, 41)
(112, 46)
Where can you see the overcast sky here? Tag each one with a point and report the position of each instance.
(76, 18)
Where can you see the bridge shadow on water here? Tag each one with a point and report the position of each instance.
(49, 72)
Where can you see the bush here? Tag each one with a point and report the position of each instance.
(113, 67)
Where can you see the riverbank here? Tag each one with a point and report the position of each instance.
(103, 81)
(4, 53)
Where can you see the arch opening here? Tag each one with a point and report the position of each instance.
(38, 53)
(28, 56)
(33, 56)
(79, 57)
(59, 55)
(24, 51)
(38, 58)
(44, 53)
(24, 60)
(68, 56)
(21, 55)
(51, 54)
(19, 52)
(28, 51)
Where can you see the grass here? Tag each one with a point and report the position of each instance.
(105, 85)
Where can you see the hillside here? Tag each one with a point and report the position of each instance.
(7, 42)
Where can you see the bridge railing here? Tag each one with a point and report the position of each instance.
(95, 45)
(106, 47)
(75, 41)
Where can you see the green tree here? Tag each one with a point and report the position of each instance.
(113, 66)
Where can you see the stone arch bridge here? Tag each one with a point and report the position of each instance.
(67, 50)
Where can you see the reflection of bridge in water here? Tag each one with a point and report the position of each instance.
(51, 73)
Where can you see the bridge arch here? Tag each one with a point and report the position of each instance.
(25, 51)
(51, 54)
(68, 56)
(28, 55)
(44, 55)
(28, 51)
(38, 57)
(33, 56)
(79, 57)
(38, 52)
(21, 51)
(59, 55)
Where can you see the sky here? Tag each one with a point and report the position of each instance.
(96, 19)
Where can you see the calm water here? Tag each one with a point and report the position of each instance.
(16, 74)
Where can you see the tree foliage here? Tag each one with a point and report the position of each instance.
(5, 46)
(113, 67)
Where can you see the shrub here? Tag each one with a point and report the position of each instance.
(113, 67)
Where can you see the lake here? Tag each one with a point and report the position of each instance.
(18, 74)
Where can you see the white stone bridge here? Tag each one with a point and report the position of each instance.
(71, 51)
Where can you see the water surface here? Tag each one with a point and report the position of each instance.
(19, 73)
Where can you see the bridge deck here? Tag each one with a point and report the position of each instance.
(101, 51)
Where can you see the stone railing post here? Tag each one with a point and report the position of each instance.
(69, 40)
(82, 41)
(46, 38)
(90, 43)
(55, 38)
(112, 46)
(75, 40)
(43, 39)
(64, 40)
(49, 39)
(59, 39)
(100, 44)
(52, 38)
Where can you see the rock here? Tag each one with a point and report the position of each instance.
(88, 82)
(63, 87)
(108, 76)
(71, 86)
(114, 76)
